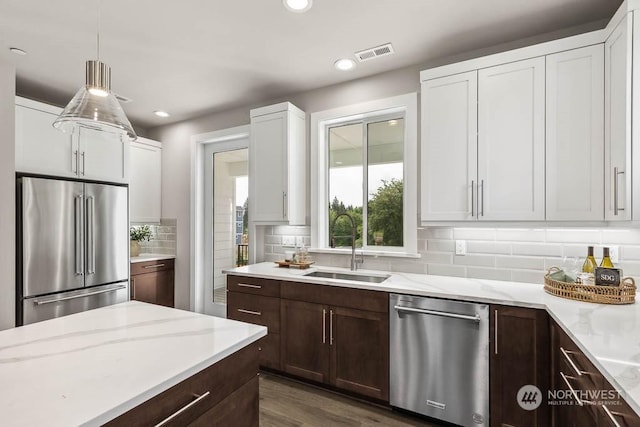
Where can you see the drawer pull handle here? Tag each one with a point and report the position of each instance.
(565, 353)
(611, 416)
(573, 391)
(181, 410)
(255, 313)
(245, 285)
(153, 266)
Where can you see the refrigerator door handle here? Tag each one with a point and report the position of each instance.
(42, 301)
(79, 247)
(91, 243)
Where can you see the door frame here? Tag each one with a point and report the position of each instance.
(224, 140)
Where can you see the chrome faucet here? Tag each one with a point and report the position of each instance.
(354, 261)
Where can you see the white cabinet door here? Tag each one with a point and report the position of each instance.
(511, 141)
(103, 156)
(277, 159)
(40, 148)
(617, 137)
(268, 172)
(575, 135)
(145, 176)
(449, 148)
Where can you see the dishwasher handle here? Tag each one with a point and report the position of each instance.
(400, 308)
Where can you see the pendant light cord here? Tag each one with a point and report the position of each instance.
(98, 29)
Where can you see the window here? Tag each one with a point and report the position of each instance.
(365, 167)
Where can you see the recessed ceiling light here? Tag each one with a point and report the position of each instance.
(160, 113)
(344, 64)
(17, 51)
(298, 6)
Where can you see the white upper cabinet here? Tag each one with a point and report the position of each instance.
(617, 136)
(40, 148)
(449, 147)
(145, 181)
(103, 156)
(87, 154)
(511, 113)
(575, 135)
(277, 160)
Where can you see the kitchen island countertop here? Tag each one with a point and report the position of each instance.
(88, 368)
(609, 335)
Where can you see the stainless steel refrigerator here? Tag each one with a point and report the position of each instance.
(72, 247)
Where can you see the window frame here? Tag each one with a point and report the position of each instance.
(406, 105)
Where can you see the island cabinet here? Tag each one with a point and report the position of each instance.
(519, 356)
(580, 395)
(223, 394)
(153, 282)
(257, 301)
(337, 337)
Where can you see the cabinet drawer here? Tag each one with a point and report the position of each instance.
(269, 348)
(241, 408)
(617, 410)
(255, 309)
(337, 296)
(253, 285)
(219, 380)
(151, 266)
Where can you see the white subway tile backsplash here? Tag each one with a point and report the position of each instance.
(630, 253)
(438, 233)
(480, 247)
(488, 273)
(474, 234)
(409, 267)
(477, 260)
(576, 236)
(521, 262)
(629, 236)
(536, 249)
(441, 245)
(446, 270)
(516, 254)
(520, 235)
(437, 258)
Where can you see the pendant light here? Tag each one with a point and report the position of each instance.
(94, 106)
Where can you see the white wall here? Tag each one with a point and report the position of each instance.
(7, 195)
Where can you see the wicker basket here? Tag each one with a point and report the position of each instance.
(623, 294)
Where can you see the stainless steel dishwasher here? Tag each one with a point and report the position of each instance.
(439, 358)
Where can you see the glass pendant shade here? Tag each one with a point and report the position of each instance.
(95, 107)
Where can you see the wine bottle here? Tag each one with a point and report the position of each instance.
(606, 261)
(590, 263)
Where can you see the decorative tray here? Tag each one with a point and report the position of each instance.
(301, 265)
(623, 294)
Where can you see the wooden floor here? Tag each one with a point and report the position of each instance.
(285, 403)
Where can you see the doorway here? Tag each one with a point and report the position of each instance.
(221, 239)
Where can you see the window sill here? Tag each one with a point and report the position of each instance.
(366, 252)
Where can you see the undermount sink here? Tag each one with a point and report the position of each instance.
(369, 278)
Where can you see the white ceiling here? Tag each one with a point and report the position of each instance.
(194, 57)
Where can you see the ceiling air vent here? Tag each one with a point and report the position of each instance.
(374, 52)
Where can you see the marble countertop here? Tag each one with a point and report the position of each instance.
(609, 335)
(150, 257)
(88, 368)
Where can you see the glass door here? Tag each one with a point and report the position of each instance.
(225, 240)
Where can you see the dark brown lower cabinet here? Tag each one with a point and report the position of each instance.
(519, 356)
(153, 282)
(326, 340)
(583, 398)
(223, 394)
